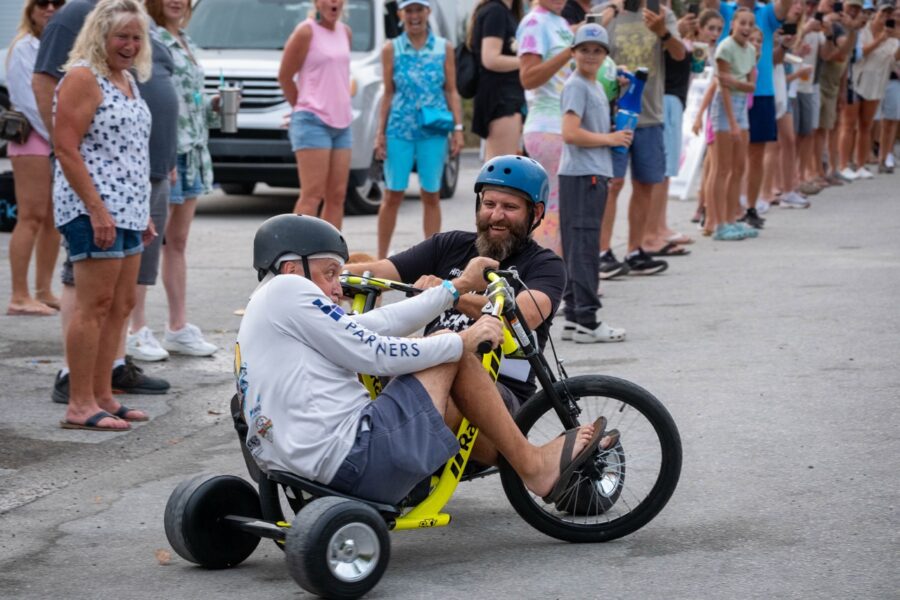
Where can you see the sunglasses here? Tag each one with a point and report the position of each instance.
(46, 3)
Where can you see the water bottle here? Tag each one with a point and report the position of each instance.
(630, 104)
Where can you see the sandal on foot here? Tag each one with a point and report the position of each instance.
(123, 411)
(680, 238)
(670, 249)
(93, 423)
(567, 467)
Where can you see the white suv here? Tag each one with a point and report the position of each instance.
(242, 42)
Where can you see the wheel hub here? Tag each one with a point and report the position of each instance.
(353, 552)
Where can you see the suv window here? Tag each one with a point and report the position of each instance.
(267, 24)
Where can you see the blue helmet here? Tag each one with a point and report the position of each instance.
(519, 173)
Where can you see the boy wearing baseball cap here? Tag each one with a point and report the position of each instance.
(584, 171)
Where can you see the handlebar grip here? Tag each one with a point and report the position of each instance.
(485, 347)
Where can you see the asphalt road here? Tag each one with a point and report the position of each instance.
(777, 358)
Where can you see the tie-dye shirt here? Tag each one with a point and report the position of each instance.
(545, 34)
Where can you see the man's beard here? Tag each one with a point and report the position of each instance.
(496, 248)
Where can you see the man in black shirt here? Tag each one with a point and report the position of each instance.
(511, 197)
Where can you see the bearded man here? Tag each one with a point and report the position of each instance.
(511, 196)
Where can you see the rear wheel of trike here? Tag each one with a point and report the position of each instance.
(195, 520)
(601, 504)
(337, 548)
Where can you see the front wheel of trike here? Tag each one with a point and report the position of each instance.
(601, 503)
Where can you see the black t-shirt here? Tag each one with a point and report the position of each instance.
(495, 20)
(446, 255)
(573, 13)
(678, 77)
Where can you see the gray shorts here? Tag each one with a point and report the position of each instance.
(401, 440)
(806, 119)
(149, 269)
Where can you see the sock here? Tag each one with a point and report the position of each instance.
(119, 362)
(633, 254)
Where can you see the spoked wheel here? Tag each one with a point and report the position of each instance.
(337, 548)
(601, 504)
(195, 525)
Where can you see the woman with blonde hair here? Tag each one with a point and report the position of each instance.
(101, 199)
(32, 173)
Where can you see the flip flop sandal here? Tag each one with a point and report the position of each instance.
(567, 469)
(670, 249)
(123, 411)
(92, 423)
(680, 239)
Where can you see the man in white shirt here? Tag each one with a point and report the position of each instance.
(297, 360)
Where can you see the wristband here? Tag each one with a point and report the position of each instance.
(459, 127)
(666, 37)
(448, 285)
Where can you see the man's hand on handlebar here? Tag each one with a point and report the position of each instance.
(487, 328)
(472, 278)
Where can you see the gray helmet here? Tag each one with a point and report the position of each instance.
(294, 234)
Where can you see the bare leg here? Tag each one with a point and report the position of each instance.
(336, 187)
(864, 135)
(312, 165)
(849, 121)
(387, 220)
(638, 209)
(716, 206)
(888, 136)
(95, 293)
(174, 261)
(32, 183)
(138, 314)
(504, 136)
(739, 151)
(68, 302)
(771, 167)
(478, 399)
(786, 140)
(431, 213)
(754, 166)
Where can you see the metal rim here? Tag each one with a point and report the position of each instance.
(353, 552)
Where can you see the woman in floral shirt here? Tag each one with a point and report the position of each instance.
(193, 172)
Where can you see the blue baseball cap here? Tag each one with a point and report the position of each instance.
(591, 32)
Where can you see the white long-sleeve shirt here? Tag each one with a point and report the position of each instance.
(298, 356)
(21, 68)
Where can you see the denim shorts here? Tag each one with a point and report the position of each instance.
(427, 154)
(401, 440)
(647, 154)
(738, 107)
(308, 132)
(672, 124)
(180, 190)
(79, 236)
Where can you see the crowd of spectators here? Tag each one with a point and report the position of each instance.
(802, 95)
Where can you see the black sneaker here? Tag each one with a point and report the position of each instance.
(130, 379)
(752, 218)
(60, 393)
(610, 267)
(643, 264)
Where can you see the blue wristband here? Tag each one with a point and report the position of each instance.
(452, 289)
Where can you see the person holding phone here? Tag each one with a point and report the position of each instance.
(640, 39)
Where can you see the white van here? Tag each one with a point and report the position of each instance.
(242, 42)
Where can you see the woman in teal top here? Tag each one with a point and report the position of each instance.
(419, 85)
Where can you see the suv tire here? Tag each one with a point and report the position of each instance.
(244, 188)
(450, 177)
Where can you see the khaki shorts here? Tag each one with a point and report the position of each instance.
(827, 112)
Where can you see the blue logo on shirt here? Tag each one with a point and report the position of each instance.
(332, 310)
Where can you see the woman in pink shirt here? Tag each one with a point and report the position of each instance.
(315, 79)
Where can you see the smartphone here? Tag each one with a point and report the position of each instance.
(819, 16)
(694, 9)
(890, 23)
(789, 29)
(838, 7)
(633, 5)
(653, 6)
(592, 18)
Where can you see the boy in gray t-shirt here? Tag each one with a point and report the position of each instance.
(584, 171)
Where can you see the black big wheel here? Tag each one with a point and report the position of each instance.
(601, 503)
(194, 520)
(337, 548)
(449, 177)
(243, 188)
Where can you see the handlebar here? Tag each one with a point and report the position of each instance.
(496, 279)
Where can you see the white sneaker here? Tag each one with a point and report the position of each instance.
(794, 200)
(864, 173)
(849, 174)
(143, 345)
(568, 330)
(889, 161)
(762, 206)
(188, 340)
(603, 333)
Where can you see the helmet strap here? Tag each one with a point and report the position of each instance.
(306, 272)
